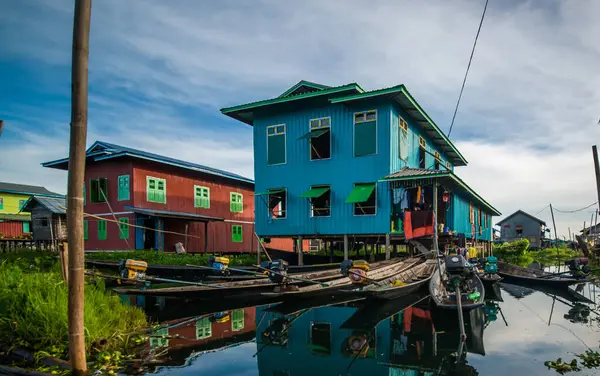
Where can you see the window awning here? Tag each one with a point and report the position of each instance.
(270, 192)
(361, 193)
(315, 192)
(314, 133)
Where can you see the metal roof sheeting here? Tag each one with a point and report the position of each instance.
(101, 150)
(26, 189)
(174, 214)
(56, 205)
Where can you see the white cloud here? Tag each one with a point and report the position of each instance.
(158, 74)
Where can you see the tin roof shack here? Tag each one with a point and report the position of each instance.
(48, 218)
(521, 225)
(15, 224)
(159, 201)
(333, 162)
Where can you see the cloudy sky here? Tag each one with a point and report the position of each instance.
(159, 72)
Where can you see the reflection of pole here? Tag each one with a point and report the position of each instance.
(461, 322)
(502, 314)
(555, 238)
(551, 310)
(435, 229)
(596, 171)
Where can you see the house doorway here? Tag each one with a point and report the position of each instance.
(149, 235)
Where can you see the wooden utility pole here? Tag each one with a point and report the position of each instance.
(597, 172)
(79, 114)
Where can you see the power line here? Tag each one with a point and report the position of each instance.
(575, 211)
(545, 207)
(468, 67)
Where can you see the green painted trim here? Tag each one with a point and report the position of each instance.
(270, 192)
(360, 193)
(315, 192)
(430, 121)
(314, 85)
(314, 133)
(415, 177)
(267, 102)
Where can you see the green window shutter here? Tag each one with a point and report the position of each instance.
(161, 191)
(276, 149)
(150, 189)
(236, 203)
(158, 340)
(102, 190)
(365, 138)
(101, 229)
(84, 198)
(93, 190)
(201, 197)
(1, 203)
(236, 234)
(124, 188)
(123, 228)
(237, 320)
(203, 328)
(26, 228)
(85, 230)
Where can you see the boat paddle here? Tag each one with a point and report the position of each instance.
(150, 279)
(292, 278)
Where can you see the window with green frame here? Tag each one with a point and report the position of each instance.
(276, 153)
(201, 197)
(98, 190)
(124, 228)
(365, 133)
(236, 234)
(402, 139)
(21, 204)
(85, 229)
(158, 338)
(1, 203)
(101, 229)
(156, 190)
(26, 227)
(203, 328)
(236, 202)
(124, 188)
(237, 320)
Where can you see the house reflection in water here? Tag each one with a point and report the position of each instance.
(409, 343)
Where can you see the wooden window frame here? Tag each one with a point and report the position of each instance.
(360, 121)
(471, 213)
(422, 143)
(231, 202)
(237, 320)
(99, 197)
(437, 160)
(22, 204)
(448, 165)
(124, 228)
(155, 189)
(320, 126)
(119, 190)
(284, 210)
(276, 132)
(199, 200)
(206, 325)
(312, 208)
(354, 205)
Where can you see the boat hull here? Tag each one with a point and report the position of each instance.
(530, 277)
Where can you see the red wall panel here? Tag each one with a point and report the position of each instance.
(112, 242)
(11, 229)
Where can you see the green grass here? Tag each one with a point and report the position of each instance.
(34, 309)
(162, 258)
(518, 253)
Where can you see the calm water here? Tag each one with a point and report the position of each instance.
(390, 339)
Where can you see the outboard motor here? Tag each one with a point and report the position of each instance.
(355, 270)
(278, 271)
(491, 266)
(219, 263)
(579, 267)
(458, 271)
(132, 271)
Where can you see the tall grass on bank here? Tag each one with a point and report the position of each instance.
(518, 253)
(162, 258)
(34, 306)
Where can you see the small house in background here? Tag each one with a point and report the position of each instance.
(160, 201)
(15, 224)
(520, 225)
(48, 218)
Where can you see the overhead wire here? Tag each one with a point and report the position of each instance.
(468, 67)
(575, 211)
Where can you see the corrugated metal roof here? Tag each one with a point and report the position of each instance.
(525, 214)
(174, 214)
(101, 150)
(305, 86)
(406, 172)
(26, 189)
(56, 205)
(15, 217)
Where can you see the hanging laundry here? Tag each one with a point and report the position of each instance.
(419, 194)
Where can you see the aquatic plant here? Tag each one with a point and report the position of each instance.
(163, 258)
(590, 359)
(34, 308)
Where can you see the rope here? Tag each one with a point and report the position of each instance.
(575, 211)
(468, 67)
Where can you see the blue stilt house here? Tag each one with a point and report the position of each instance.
(342, 162)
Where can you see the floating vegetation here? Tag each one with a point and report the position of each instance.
(589, 360)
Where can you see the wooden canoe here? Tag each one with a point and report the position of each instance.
(236, 289)
(517, 275)
(344, 283)
(413, 279)
(446, 299)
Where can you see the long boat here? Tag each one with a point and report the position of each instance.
(447, 299)
(376, 277)
(518, 275)
(245, 289)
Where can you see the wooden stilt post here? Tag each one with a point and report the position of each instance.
(185, 242)
(300, 255)
(78, 134)
(345, 246)
(329, 245)
(206, 238)
(387, 246)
